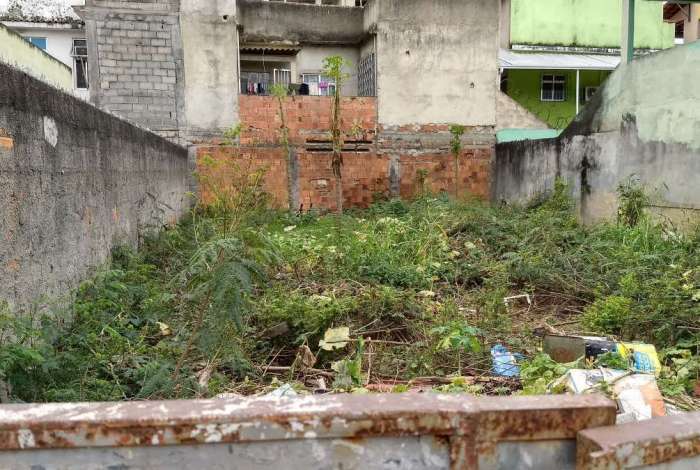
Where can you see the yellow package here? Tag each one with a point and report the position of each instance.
(643, 356)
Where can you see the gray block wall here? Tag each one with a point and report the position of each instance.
(75, 181)
(136, 60)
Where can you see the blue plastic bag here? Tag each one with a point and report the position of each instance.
(504, 362)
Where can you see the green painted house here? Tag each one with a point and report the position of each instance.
(556, 53)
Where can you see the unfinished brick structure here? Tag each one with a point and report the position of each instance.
(184, 69)
(378, 162)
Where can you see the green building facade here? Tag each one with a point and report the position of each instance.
(582, 38)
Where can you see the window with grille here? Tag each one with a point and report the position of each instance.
(80, 63)
(553, 88)
(366, 76)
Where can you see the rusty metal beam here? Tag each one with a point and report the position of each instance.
(661, 441)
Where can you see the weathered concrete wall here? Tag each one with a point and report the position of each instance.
(74, 181)
(210, 45)
(135, 60)
(293, 23)
(512, 115)
(410, 431)
(437, 61)
(16, 51)
(637, 125)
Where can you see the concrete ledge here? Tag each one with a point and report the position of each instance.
(262, 21)
(54, 426)
(661, 441)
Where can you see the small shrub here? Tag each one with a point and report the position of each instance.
(609, 315)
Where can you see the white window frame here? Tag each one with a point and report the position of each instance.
(282, 76)
(554, 80)
(80, 56)
(330, 91)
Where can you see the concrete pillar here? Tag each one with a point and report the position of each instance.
(504, 21)
(692, 24)
(209, 34)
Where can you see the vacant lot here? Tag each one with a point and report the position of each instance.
(400, 296)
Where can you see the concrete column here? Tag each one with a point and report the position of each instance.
(504, 21)
(578, 90)
(692, 24)
(210, 50)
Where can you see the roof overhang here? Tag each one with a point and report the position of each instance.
(273, 49)
(556, 61)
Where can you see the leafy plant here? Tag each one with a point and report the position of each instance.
(457, 132)
(633, 201)
(280, 92)
(333, 69)
(539, 372)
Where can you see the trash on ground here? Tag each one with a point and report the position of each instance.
(283, 391)
(335, 338)
(644, 357)
(564, 349)
(639, 398)
(504, 362)
(584, 380)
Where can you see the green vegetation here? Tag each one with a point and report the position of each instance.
(241, 303)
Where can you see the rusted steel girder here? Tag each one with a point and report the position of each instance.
(472, 427)
(660, 441)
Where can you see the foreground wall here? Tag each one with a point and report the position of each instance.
(73, 182)
(410, 431)
(640, 125)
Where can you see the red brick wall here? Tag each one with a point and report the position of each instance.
(366, 175)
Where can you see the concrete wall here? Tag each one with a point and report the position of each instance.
(210, 45)
(437, 61)
(14, 50)
(74, 181)
(265, 22)
(512, 115)
(59, 42)
(637, 125)
(591, 23)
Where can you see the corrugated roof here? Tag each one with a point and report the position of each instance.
(556, 61)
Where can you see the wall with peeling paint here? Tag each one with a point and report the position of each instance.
(645, 123)
(74, 181)
(392, 431)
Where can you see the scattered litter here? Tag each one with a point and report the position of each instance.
(639, 398)
(644, 357)
(428, 294)
(283, 391)
(584, 380)
(564, 349)
(335, 338)
(508, 300)
(504, 363)
(229, 396)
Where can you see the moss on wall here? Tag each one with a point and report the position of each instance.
(592, 23)
(21, 54)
